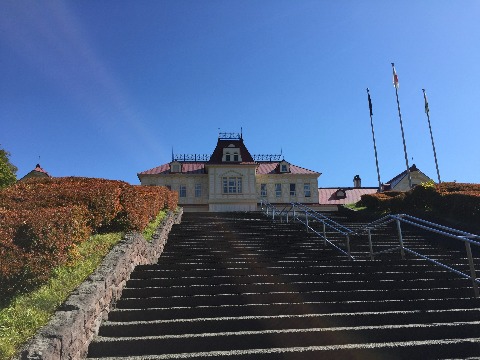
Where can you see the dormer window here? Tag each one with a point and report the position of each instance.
(231, 154)
(175, 167)
(340, 194)
(284, 167)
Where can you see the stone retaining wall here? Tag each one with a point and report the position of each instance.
(78, 319)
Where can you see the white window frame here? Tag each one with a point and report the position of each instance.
(176, 168)
(263, 190)
(232, 185)
(278, 190)
(294, 191)
(182, 191)
(307, 192)
(198, 190)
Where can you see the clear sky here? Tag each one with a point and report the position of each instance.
(107, 88)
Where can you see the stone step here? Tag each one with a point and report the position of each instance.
(293, 321)
(290, 297)
(175, 279)
(285, 338)
(453, 348)
(237, 286)
(305, 286)
(288, 308)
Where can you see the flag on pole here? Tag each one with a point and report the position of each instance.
(370, 103)
(395, 77)
(426, 102)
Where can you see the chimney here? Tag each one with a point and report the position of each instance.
(357, 182)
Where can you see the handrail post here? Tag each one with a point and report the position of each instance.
(324, 234)
(348, 244)
(306, 219)
(472, 269)
(370, 244)
(400, 239)
(287, 216)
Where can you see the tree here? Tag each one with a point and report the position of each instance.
(7, 170)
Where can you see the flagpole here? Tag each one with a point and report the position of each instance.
(395, 82)
(374, 143)
(427, 111)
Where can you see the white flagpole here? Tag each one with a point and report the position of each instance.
(374, 143)
(427, 111)
(395, 83)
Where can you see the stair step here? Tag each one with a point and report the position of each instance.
(288, 338)
(302, 321)
(236, 286)
(284, 308)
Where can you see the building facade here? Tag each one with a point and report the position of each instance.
(400, 182)
(231, 179)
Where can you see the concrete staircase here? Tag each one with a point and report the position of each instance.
(234, 286)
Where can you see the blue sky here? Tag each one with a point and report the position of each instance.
(107, 88)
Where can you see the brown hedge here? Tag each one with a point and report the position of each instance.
(32, 242)
(457, 201)
(100, 197)
(109, 202)
(141, 204)
(43, 218)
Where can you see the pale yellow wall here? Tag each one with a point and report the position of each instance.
(175, 180)
(286, 180)
(212, 187)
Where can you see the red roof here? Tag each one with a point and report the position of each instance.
(39, 169)
(187, 168)
(327, 196)
(263, 168)
(272, 168)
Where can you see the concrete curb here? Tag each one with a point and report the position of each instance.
(76, 322)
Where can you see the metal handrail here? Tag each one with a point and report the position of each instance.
(304, 215)
(467, 238)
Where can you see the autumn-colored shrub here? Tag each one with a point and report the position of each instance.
(42, 220)
(109, 203)
(448, 187)
(101, 197)
(461, 205)
(141, 204)
(33, 242)
(385, 201)
(457, 201)
(172, 200)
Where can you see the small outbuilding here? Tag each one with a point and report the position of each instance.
(36, 173)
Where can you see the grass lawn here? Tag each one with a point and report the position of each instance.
(25, 314)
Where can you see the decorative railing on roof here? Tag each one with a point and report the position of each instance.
(265, 157)
(190, 157)
(229, 136)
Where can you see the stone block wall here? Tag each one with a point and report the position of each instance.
(78, 319)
